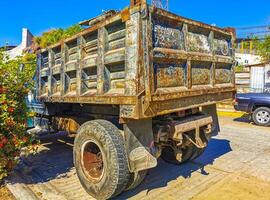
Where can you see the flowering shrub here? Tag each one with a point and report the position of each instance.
(14, 86)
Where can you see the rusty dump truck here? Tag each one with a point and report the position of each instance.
(134, 86)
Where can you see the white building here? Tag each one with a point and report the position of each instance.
(27, 40)
(245, 59)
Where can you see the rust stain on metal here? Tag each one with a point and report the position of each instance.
(125, 15)
(65, 124)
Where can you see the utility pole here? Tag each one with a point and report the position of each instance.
(163, 4)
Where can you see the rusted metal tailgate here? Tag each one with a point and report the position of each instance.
(191, 64)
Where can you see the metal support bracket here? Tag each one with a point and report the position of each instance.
(198, 142)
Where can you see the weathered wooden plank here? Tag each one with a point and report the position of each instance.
(118, 75)
(117, 35)
(73, 50)
(242, 82)
(102, 73)
(58, 55)
(116, 44)
(132, 53)
(115, 56)
(242, 75)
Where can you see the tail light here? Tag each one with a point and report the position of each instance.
(235, 101)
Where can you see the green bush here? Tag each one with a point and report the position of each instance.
(14, 86)
(239, 68)
(264, 48)
(55, 35)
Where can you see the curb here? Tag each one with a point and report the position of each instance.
(20, 190)
(230, 113)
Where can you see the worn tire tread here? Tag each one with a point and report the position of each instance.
(115, 143)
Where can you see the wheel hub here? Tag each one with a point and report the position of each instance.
(263, 117)
(92, 161)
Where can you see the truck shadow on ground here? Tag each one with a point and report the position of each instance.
(55, 161)
(164, 173)
(245, 118)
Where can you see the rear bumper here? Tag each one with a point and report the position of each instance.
(239, 107)
(157, 108)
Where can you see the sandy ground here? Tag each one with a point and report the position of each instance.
(237, 187)
(5, 194)
(236, 165)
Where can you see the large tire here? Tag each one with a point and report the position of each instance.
(261, 116)
(100, 159)
(168, 155)
(136, 179)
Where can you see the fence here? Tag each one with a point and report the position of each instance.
(255, 78)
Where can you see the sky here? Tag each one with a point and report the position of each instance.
(41, 15)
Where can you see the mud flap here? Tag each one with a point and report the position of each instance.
(139, 141)
(212, 111)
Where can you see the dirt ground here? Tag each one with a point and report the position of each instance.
(237, 187)
(5, 194)
(234, 166)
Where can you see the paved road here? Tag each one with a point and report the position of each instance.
(236, 165)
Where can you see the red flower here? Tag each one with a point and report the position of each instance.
(4, 102)
(10, 122)
(4, 141)
(10, 109)
(1, 145)
(15, 140)
(2, 90)
(24, 139)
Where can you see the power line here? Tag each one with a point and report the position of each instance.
(253, 31)
(253, 27)
(258, 32)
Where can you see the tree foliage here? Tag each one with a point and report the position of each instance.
(14, 86)
(55, 35)
(264, 48)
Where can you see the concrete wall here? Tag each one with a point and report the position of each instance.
(247, 59)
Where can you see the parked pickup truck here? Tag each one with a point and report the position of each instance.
(134, 86)
(256, 104)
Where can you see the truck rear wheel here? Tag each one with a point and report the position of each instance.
(100, 159)
(136, 179)
(188, 153)
(169, 156)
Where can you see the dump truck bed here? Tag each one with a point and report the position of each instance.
(146, 60)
